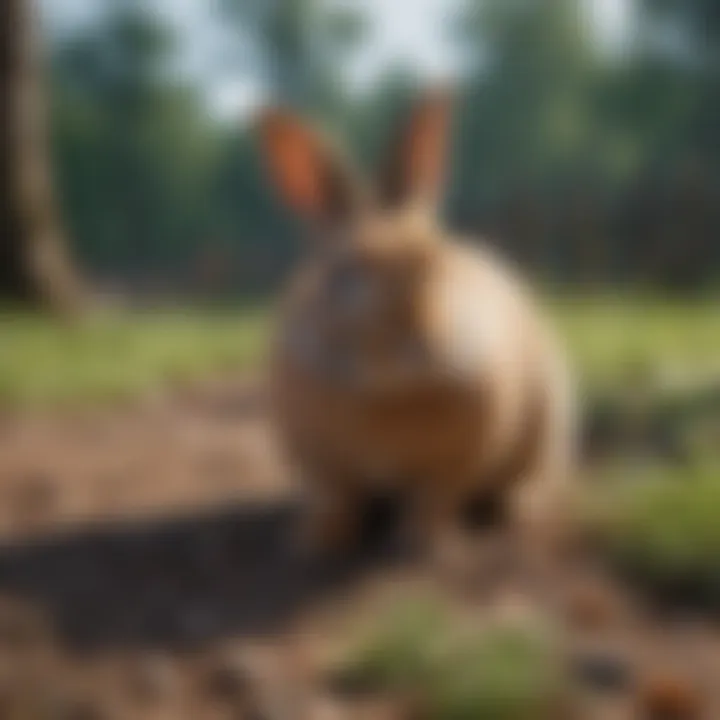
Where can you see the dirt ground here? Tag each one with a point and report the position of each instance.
(147, 571)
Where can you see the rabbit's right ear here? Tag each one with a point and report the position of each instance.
(312, 177)
(414, 171)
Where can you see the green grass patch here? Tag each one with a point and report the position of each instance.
(501, 671)
(119, 355)
(620, 340)
(660, 526)
(613, 341)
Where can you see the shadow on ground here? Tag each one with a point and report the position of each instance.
(178, 583)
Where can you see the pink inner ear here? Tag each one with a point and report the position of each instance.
(294, 163)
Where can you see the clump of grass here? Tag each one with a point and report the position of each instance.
(662, 529)
(399, 650)
(502, 671)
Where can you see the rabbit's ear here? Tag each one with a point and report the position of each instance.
(312, 177)
(415, 166)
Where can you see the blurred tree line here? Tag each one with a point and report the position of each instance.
(588, 165)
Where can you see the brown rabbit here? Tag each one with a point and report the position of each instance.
(406, 360)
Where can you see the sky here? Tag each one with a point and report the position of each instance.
(411, 32)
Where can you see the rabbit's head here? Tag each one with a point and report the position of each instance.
(375, 246)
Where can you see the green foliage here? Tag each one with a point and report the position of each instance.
(134, 153)
(698, 19)
(585, 165)
(503, 671)
(526, 116)
(297, 48)
(582, 164)
(149, 182)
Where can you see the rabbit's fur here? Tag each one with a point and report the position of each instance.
(406, 360)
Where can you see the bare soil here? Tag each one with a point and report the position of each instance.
(147, 571)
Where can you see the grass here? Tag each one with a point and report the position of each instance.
(502, 671)
(399, 648)
(617, 339)
(656, 521)
(504, 674)
(612, 339)
(660, 527)
(119, 355)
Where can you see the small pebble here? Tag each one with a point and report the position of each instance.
(605, 673)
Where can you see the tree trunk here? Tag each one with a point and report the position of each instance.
(34, 265)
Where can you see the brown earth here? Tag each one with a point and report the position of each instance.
(147, 571)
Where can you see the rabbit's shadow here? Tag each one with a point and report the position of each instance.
(180, 582)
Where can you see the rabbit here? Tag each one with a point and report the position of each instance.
(406, 360)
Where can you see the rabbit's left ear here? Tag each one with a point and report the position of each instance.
(415, 166)
(311, 175)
